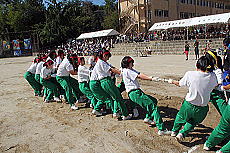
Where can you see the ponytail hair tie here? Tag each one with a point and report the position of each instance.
(130, 59)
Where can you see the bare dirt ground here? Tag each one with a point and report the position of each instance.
(29, 125)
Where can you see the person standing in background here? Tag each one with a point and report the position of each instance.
(186, 49)
(196, 45)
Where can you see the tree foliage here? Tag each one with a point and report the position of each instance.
(55, 21)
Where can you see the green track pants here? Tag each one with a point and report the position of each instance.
(221, 132)
(189, 115)
(33, 83)
(218, 99)
(101, 96)
(149, 103)
(111, 89)
(71, 87)
(84, 88)
(51, 88)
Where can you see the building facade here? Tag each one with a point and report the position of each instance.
(140, 15)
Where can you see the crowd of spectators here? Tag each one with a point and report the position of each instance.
(89, 46)
(201, 32)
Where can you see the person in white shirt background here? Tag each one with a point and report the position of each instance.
(46, 81)
(30, 77)
(104, 70)
(195, 106)
(69, 84)
(83, 80)
(149, 103)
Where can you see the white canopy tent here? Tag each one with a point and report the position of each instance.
(170, 24)
(102, 33)
(210, 19)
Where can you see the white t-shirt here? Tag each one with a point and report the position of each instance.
(45, 72)
(200, 86)
(130, 79)
(102, 69)
(32, 68)
(83, 74)
(94, 75)
(39, 67)
(64, 68)
(58, 61)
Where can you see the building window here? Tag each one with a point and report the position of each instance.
(166, 13)
(162, 13)
(194, 2)
(186, 15)
(227, 7)
(149, 15)
(213, 4)
(209, 4)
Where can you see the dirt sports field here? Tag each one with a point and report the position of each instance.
(29, 125)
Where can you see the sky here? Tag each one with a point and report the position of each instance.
(97, 2)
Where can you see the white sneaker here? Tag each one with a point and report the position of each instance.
(179, 137)
(135, 113)
(165, 132)
(206, 148)
(47, 101)
(127, 117)
(57, 99)
(173, 134)
(148, 121)
(94, 112)
(116, 115)
(73, 107)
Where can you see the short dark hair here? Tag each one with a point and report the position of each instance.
(103, 52)
(125, 61)
(205, 64)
